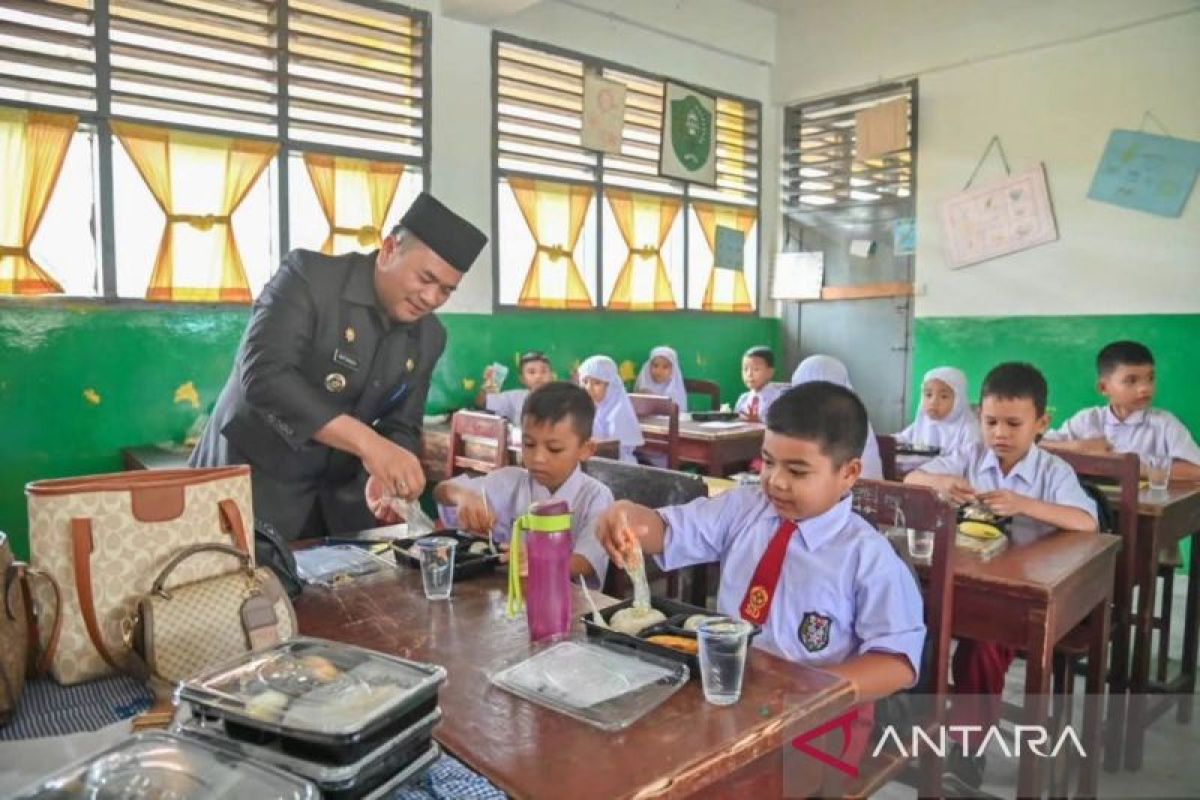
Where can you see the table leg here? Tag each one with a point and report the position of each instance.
(1143, 623)
(1118, 666)
(1093, 697)
(1183, 714)
(1037, 705)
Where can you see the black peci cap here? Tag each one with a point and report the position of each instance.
(456, 241)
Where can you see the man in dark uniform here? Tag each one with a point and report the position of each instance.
(326, 397)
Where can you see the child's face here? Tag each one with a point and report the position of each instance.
(552, 450)
(755, 372)
(535, 374)
(596, 389)
(937, 399)
(801, 481)
(660, 369)
(1129, 387)
(1010, 426)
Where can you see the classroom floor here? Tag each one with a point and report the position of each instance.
(1170, 768)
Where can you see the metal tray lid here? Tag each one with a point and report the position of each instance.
(313, 689)
(157, 764)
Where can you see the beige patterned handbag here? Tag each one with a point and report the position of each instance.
(183, 631)
(106, 537)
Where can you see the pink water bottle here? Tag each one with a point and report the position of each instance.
(548, 539)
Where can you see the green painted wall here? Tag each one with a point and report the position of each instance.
(134, 360)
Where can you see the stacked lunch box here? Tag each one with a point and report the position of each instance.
(354, 722)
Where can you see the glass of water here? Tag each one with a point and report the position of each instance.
(723, 645)
(920, 544)
(1158, 472)
(437, 565)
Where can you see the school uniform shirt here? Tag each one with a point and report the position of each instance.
(766, 396)
(842, 591)
(511, 490)
(507, 404)
(1040, 475)
(959, 429)
(1151, 431)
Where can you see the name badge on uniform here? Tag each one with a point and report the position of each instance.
(335, 382)
(345, 359)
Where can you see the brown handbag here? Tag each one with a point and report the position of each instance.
(180, 632)
(18, 629)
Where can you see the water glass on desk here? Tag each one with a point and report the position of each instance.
(723, 644)
(1158, 472)
(437, 565)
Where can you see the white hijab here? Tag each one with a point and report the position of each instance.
(673, 388)
(959, 429)
(614, 415)
(828, 368)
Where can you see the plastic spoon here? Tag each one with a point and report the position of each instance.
(597, 619)
(487, 510)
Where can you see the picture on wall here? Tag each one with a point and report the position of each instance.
(1004, 217)
(603, 113)
(688, 150)
(1146, 172)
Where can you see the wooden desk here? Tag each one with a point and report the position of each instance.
(435, 449)
(718, 450)
(1162, 522)
(1030, 597)
(156, 456)
(682, 747)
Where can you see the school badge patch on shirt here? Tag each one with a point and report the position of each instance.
(814, 631)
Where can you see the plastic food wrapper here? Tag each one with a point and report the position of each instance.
(326, 565)
(608, 687)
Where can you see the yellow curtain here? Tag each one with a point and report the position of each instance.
(355, 195)
(645, 221)
(198, 180)
(555, 213)
(726, 289)
(33, 146)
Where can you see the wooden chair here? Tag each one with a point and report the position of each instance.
(478, 443)
(707, 388)
(654, 488)
(653, 405)
(887, 454)
(884, 503)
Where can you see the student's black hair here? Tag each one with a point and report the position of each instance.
(825, 413)
(1122, 354)
(530, 357)
(1016, 380)
(763, 352)
(559, 400)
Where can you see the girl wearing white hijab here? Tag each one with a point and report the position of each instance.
(828, 368)
(614, 413)
(653, 380)
(944, 419)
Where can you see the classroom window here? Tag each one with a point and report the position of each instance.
(223, 133)
(634, 247)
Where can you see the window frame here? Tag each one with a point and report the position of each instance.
(598, 185)
(101, 121)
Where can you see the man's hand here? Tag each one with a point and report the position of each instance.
(394, 472)
(379, 502)
(1004, 503)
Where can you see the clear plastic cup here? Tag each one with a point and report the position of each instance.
(920, 544)
(723, 644)
(437, 565)
(1158, 472)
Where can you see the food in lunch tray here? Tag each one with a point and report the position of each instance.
(479, 548)
(979, 530)
(321, 669)
(635, 620)
(694, 622)
(683, 644)
(267, 705)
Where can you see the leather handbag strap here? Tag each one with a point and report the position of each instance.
(82, 545)
(18, 576)
(196, 549)
(231, 523)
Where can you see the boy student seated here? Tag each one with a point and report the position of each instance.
(828, 368)
(758, 367)
(944, 419)
(1129, 423)
(534, 372)
(826, 587)
(615, 418)
(556, 436)
(1012, 476)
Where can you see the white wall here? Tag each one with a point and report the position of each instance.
(669, 39)
(1052, 79)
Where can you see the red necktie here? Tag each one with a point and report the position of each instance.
(752, 412)
(757, 602)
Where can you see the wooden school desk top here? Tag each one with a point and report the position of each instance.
(706, 431)
(681, 747)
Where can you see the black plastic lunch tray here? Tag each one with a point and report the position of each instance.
(676, 612)
(916, 450)
(466, 565)
(714, 416)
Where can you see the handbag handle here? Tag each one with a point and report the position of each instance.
(188, 552)
(18, 575)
